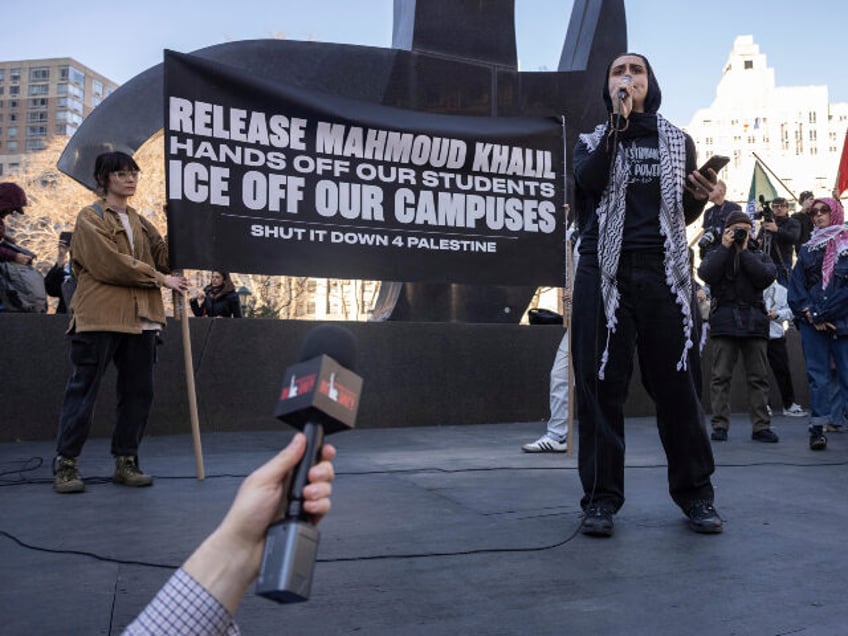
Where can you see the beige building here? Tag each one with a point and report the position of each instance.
(41, 99)
(794, 130)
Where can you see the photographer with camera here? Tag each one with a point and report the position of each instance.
(737, 274)
(714, 218)
(778, 235)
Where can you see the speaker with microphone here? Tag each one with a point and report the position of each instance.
(320, 395)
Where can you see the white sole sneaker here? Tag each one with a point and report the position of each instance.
(545, 445)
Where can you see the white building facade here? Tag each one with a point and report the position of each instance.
(794, 130)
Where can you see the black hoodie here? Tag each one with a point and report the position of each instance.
(640, 141)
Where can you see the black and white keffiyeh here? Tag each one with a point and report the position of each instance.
(610, 212)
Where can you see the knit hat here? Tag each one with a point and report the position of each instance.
(737, 217)
(12, 198)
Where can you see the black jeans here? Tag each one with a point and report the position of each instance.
(650, 321)
(778, 360)
(134, 356)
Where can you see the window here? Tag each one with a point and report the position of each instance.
(75, 91)
(14, 90)
(95, 102)
(13, 104)
(812, 117)
(13, 117)
(12, 145)
(65, 129)
(39, 89)
(39, 74)
(36, 116)
(12, 131)
(2, 89)
(76, 76)
(749, 64)
(38, 103)
(64, 115)
(36, 131)
(14, 75)
(97, 87)
(35, 144)
(2, 74)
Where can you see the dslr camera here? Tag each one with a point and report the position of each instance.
(709, 238)
(739, 235)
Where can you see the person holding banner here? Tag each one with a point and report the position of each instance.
(120, 262)
(636, 189)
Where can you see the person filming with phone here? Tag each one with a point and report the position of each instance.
(737, 274)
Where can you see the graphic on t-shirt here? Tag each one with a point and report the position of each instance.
(644, 163)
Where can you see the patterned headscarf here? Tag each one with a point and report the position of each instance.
(833, 238)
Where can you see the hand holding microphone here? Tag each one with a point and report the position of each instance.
(623, 103)
(320, 395)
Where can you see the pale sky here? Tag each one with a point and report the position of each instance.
(687, 44)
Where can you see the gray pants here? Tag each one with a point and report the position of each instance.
(725, 352)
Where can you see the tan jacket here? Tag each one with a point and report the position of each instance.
(117, 287)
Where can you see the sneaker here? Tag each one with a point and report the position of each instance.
(67, 478)
(833, 428)
(794, 411)
(597, 521)
(545, 445)
(703, 518)
(127, 472)
(817, 439)
(719, 435)
(765, 435)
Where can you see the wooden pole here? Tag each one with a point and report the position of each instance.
(567, 303)
(180, 306)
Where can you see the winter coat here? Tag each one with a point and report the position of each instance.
(805, 290)
(118, 284)
(737, 280)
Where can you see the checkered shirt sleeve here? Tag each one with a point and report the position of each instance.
(183, 606)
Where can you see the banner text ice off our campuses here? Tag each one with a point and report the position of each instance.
(269, 178)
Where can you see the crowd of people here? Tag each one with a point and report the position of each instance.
(637, 187)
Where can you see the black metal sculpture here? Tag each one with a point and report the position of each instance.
(448, 56)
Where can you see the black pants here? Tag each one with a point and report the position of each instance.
(778, 360)
(650, 321)
(134, 356)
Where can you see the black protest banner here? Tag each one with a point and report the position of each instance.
(275, 179)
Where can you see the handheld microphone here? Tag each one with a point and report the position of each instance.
(320, 395)
(622, 94)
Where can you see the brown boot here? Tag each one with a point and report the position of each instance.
(67, 478)
(127, 472)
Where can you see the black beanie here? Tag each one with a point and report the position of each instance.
(737, 217)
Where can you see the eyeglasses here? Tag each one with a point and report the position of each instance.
(821, 210)
(124, 175)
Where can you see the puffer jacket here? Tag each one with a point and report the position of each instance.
(805, 290)
(737, 281)
(118, 286)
